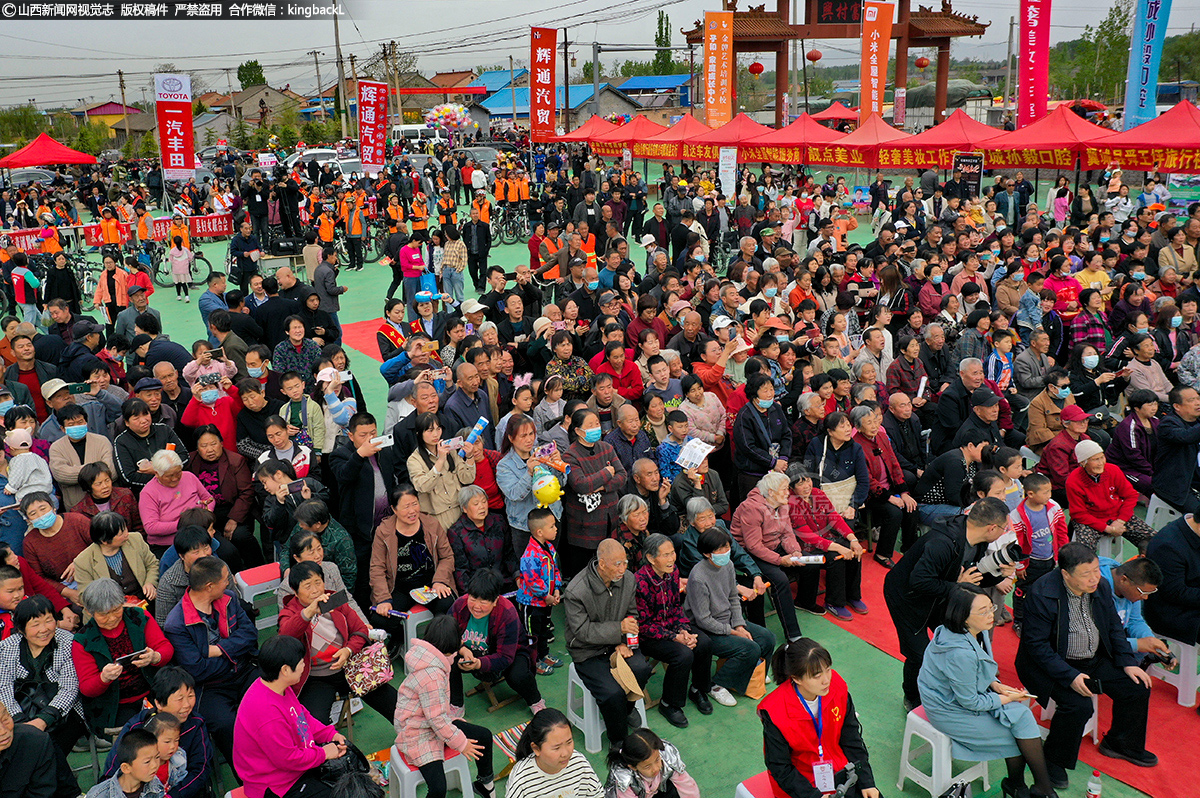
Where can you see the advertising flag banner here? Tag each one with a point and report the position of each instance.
(1034, 72)
(971, 164)
(543, 55)
(372, 125)
(177, 141)
(1145, 53)
(876, 42)
(718, 67)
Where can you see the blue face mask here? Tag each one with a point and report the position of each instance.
(593, 285)
(1176, 321)
(721, 560)
(45, 522)
(783, 339)
(1137, 276)
(770, 293)
(1064, 392)
(210, 396)
(256, 373)
(592, 435)
(1091, 361)
(936, 279)
(6, 406)
(765, 403)
(1103, 239)
(76, 432)
(1143, 330)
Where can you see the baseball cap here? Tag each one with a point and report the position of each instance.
(1073, 413)
(135, 289)
(84, 328)
(608, 296)
(148, 384)
(983, 397)
(51, 387)
(18, 438)
(767, 231)
(1087, 449)
(721, 322)
(327, 374)
(777, 324)
(139, 340)
(473, 306)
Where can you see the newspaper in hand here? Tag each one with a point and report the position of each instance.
(693, 453)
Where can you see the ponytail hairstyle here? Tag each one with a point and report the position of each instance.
(537, 730)
(636, 749)
(799, 659)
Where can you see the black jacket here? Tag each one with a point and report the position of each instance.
(478, 238)
(1175, 457)
(952, 410)
(77, 362)
(356, 479)
(1174, 609)
(271, 314)
(28, 766)
(974, 422)
(162, 350)
(937, 366)
(906, 441)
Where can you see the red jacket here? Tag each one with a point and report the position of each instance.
(881, 461)
(354, 632)
(1099, 502)
(223, 414)
(1058, 527)
(1058, 460)
(782, 707)
(629, 382)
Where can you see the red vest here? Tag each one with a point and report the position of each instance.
(782, 706)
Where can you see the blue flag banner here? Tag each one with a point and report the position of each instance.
(1150, 19)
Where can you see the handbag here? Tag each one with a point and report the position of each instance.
(353, 761)
(429, 283)
(368, 669)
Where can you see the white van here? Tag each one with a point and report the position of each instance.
(415, 133)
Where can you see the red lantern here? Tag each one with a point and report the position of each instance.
(756, 69)
(813, 55)
(922, 62)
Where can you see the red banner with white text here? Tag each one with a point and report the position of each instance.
(1034, 73)
(543, 52)
(372, 125)
(176, 137)
(876, 42)
(208, 226)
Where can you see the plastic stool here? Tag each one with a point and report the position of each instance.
(584, 713)
(755, 787)
(942, 775)
(1187, 680)
(1111, 546)
(1159, 513)
(417, 617)
(257, 586)
(1093, 725)
(240, 792)
(1031, 457)
(403, 778)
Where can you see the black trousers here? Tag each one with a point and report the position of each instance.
(218, 703)
(65, 734)
(843, 581)
(892, 521)
(614, 708)
(435, 774)
(307, 786)
(913, 636)
(539, 625)
(477, 264)
(354, 252)
(520, 677)
(781, 592)
(261, 228)
(397, 280)
(680, 661)
(320, 692)
(1033, 572)
(1131, 702)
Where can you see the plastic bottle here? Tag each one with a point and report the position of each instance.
(1093, 785)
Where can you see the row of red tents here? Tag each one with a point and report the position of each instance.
(1058, 141)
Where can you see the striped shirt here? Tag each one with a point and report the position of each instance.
(576, 780)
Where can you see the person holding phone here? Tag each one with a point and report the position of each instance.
(438, 471)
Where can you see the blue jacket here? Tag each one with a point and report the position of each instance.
(193, 739)
(188, 634)
(1130, 612)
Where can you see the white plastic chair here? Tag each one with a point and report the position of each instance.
(1159, 513)
(941, 774)
(1092, 727)
(257, 586)
(403, 778)
(1187, 680)
(584, 713)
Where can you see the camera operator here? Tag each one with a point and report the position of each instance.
(1132, 582)
(254, 197)
(1073, 647)
(916, 589)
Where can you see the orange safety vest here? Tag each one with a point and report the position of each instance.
(552, 247)
(326, 227)
(145, 227)
(506, 190)
(395, 215)
(178, 230)
(588, 245)
(110, 231)
(485, 210)
(352, 213)
(51, 245)
(523, 188)
(447, 212)
(420, 215)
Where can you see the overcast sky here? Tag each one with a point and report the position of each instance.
(60, 63)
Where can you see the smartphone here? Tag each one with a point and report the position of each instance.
(77, 388)
(383, 440)
(346, 376)
(214, 352)
(429, 346)
(1093, 684)
(296, 486)
(455, 443)
(558, 325)
(334, 601)
(128, 658)
(470, 328)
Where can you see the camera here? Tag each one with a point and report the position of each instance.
(993, 561)
(1158, 658)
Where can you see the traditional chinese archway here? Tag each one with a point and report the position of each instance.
(760, 31)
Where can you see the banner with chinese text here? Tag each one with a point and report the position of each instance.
(173, 109)
(372, 125)
(543, 55)
(1034, 74)
(1145, 54)
(876, 43)
(718, 68)
(208, 226)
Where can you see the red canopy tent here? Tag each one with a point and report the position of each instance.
(44, 151)
(1052, 142)
(668, 145)
(626, 135)
(593, 127)
(731, 134)
(790, 144)
(860, 148)
(936, 147)
(1168, 143)
(836, 111)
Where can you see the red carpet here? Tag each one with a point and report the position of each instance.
(1174, 731)
(360, 336)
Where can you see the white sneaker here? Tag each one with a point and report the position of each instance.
(722, 697)
(187, 300)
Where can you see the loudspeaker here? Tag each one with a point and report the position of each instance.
(286, 246)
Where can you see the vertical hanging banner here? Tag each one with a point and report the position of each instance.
(372, 125)
(718, 67)
(1033, 76)
(876, 43)
(1145, 53)
(177, 140)
(543, 52)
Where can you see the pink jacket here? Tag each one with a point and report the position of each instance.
(423, 723)
(160, 506)
(411, 262)
(275, 740)
(707, 421)
(761, 530)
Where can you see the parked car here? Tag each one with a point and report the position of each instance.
(27, 175)
(485, 156)
(209, 154)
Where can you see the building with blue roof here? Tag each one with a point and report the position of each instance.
(655, 91)
(499, 79)
(499, 106)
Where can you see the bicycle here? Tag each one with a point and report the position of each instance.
(512, 225)
(159, 267)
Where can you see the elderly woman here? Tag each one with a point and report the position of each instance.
(226, 476)
(984, 718)
(38, 685)
(822, 531)
(574, 370)
(166, 496)
(595, 481)
(307, 546)
(634, 513)
(888, 499)
(514, 475)
(480, 541)
(438, 472)
(838, 463)
(100, 494)
(118, 554)
(113, 687)
(762, 434)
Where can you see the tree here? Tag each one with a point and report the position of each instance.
(210, 136)
(199, 108)
(240, 136)
(250, 73)
(147, 146)
(129, 148)
(663, 63)
(1096, 62)
(21, 123)
(92, 138)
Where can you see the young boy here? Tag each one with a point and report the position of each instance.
(137, 756)
(302, 413)
(1041, 530)
(12, 590)
(539, 586)
(662, 383)
(668, 450)
(832, 358)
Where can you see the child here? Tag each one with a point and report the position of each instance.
(27, 472)
(137, 755)
(522, 401)
(206, 364)
(1029, 308)
(647, 765)
(181, 259)
(1011, 467)
(999, 365)
(312, 515)
(12, 590)
(172, 769)
(301, 413)
(668, 450)
(550, 409)
(25, 290)
(832, 357)
(539, 586)
(1041, 529)
(210, 406)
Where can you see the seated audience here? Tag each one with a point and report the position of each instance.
(100, 494)
(821, 530)
(164, 498)
(547, 762)
(762, 524)
(120, 554)
(28, 761)
(1134, 441)
(1174, 609)
(137, 761)
(480, 540)
(1102, 502)
(648, 765)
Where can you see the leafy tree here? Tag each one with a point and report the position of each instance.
(147, 146)
(288, 136)
(663, 63)
(129, 148)
(240, 136)
(199, 108)
(250, 73)
(210, 137)
(92, 138)
(22, 122)
(1096, 63)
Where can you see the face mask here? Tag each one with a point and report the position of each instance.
(1137, 276)
(6, 406)
(721, 560)
(1176, 321)
(592, 435)
(770, 292)
(1103, 239)
(593, 285)
(765, 403)
(936, 279)
(210, 396)
(77, 432)
(256, 373)
(45, 522)
(783, 339)
(1064, 392)
(1091, 361)
(1143, 330)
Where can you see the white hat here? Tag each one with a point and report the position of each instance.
(648, 240)
(1086, 449)
(473, 306)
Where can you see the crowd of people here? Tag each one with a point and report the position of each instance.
(658, 439)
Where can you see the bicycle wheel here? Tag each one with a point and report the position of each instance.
(507, 233)
(201, 271)
(377, 239)
(161, 273)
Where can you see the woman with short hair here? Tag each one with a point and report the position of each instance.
(118, 554)
(165, 497)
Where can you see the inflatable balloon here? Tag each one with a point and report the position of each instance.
(450, 117)
(546, 488)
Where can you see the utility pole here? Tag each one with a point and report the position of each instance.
(124, 108)
(1012, 23)
(144, 97)
(596, 78)
(354, 74)
(341, 70)
(566, 59)
(320, 95)
(399, 96)
(512, 96)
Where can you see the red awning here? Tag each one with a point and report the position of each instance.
(836, 111)
(668, 145)
(1168, 143)
(936, 147)
(1052, 142)
(733, 133)
(585, 132)
(790, 144)
(44, 151)
(612, 142)
(863, 144)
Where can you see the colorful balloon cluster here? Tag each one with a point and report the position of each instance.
(449, 116)
(619, 119)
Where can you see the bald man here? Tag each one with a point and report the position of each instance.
(290, 287)
(689, 342)
(468, 404)
(601, 614)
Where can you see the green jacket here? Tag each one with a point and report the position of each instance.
(102, 711)
(339, 549)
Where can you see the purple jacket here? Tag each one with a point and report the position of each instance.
(506, 640)
(1132, 447)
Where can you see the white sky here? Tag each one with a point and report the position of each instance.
(60, 63)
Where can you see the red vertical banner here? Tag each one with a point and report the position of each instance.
(543, 55)
(176, 138)
(372, 125)
(876, 43)
(1034, 74)
(718, 67)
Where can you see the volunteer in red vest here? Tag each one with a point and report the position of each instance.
(810, 730)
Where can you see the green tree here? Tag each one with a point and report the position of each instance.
(663, 63)
(199, 108)
(250, 73)
(210, 137)
(288, 136)
(22, 122)
(1095, 64)
(129, 148)
(147, 146)
(240, 136)
(312, 132)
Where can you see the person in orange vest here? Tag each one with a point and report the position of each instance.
(145, 225)
(393, 213)
(179, 227)
(354, 215)
(420, 213)
(587, 242)
(447, 210)
(548, 251)
(49, 235)
(110, 228)
(482, 204)
(326, 225)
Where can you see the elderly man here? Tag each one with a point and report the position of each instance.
(1058, 457)
(629, 439)
(984, 416)
(647, 482)
(469, 403)
(601, 614)
(889, 501)
(1176, 449)
(690, 341)
(174, 394)
(954, 405)
(1174, 610)
(1072, 643)
(1031, 366)
(904, 431)
(936, 358)
(1102, 501)
(289, 286)
(874, 351)
(28, 760)
(139, 303)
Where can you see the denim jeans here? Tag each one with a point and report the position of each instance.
(453, 284)
(930, 513)
(31, 314)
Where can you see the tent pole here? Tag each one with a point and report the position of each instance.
(1077, 175)
(1037, 176)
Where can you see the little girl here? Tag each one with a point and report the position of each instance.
(1011, 466)
(550, 409)
(173, 770)
(26, 471)
(181, 259)
(645, 766)
(522, 401)
(205, 364)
